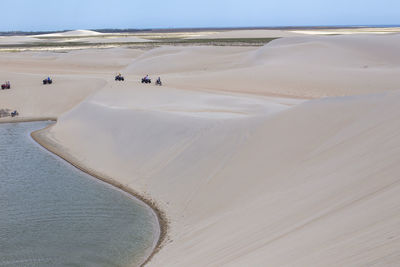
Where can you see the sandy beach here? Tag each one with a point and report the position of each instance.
(283, 154)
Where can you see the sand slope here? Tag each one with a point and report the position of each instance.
(34, 100)
(314, 185)
(76, 75)
(313, 66)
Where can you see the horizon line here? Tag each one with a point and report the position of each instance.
(339, 26)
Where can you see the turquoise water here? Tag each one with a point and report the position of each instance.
(52, 214)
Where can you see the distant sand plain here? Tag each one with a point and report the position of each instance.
(276, 154)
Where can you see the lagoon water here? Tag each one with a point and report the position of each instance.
(52, 214)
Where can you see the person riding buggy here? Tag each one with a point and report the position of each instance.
(119, 77)
(47, 81)
(158, 82)
(146, 79)
(14, 113)
(6, 85)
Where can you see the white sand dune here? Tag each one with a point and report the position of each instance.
(314, 185)
(10, 40)
(75, 33)
(259, 33)
(310, 66)
(355, 30)
(103, 39)
(76, 75)
(71, 40)
(93, 37)
(187, 59)
(247, 34)
(115, 39)
(244, 177)
(34, 100)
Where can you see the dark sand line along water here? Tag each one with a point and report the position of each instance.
(24, 251)
(26, 119)
(40, 137)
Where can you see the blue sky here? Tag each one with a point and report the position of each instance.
(42, 15)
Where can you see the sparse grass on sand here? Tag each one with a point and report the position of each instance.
(154, 42)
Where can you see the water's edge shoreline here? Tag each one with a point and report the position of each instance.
(41, 139)
(26, 119)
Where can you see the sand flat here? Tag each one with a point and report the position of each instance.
(247, 171)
